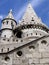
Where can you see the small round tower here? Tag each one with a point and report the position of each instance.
(8, 25)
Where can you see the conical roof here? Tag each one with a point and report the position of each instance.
(30, 17)
(10, 15)
(29, 14)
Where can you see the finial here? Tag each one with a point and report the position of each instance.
(10, 10)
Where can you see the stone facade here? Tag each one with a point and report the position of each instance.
(26, 43)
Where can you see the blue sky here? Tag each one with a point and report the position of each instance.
(41, 8)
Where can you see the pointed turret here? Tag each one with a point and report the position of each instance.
(30, 16)
(31, 25)
(8, 25)
(9, 21)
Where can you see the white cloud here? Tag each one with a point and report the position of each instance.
(1, 17)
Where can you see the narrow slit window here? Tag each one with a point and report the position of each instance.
(36, 33)
(4, 35)
(7, 22)
(7, 49)
(1, 50)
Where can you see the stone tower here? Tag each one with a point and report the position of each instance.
(31, 25)
(26, 43)
(8, 24)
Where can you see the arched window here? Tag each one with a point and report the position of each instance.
(4, 39)
(21, 40)
(43, 41)
(32, 19)
(28, 26)
(31, 47)
(19, 34)
(8, 40)
(16, 40)
(4, 35)
(12, 24)
(7, 22)
(36, 33)
(7, 49)
(3, 22)
(31, 33)
(19, 53)
(27, 34)
(7, 58)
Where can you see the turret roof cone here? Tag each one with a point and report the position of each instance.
(10, 15)
(30, 14)
(31, 17)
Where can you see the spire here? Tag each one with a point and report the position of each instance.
(10, 10)
(30, 14)
(30, 17)
(10, 15)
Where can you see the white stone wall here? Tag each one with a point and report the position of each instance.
(8, 33)
(37, 56)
